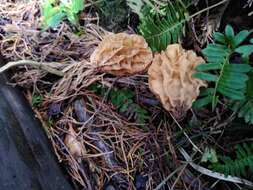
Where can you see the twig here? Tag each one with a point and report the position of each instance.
(178, 177)
(168, 177)
(213, 174)
(46, 66)
(207, 9)
(195, 146)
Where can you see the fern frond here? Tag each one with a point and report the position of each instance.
(159, 30)
(229, 79)
(238, 166)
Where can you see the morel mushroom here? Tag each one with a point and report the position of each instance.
(170, 79)
(122, 54)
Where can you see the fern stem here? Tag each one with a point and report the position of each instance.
(216, 84)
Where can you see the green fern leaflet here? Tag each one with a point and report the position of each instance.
(244, 108)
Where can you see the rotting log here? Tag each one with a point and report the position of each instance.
(27, 161)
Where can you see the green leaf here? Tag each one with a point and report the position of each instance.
(238, 68)
(215, 52)
(237, 85)
(208, 66)
(55, 20)
(47, 9)
(206, 91)
(201, 102)
(240, 37)
(219, 37)
(209, 155)
(244, 108)
(229, 31)
(76, 6)
(53, 15)
(205, 76)
(36, 100)
(245, 50)
(230, 93)
(215, 59)
(72, 17)
(234, 77)
(66, 3)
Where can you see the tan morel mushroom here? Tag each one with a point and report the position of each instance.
(122, 54)
(170, 79)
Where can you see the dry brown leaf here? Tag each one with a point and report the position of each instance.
(75, 147)
(122, 54)
(170, 78)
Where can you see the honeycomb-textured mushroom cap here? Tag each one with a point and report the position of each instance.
(170, 78)
(122, 54)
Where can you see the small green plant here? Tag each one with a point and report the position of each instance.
(238, 166)
(228, 79)
(123, 100)
(209, 155)
(233, 81)
(36, 100)
(160, 23)
(55, 11)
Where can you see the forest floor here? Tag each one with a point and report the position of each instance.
(110, 131)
